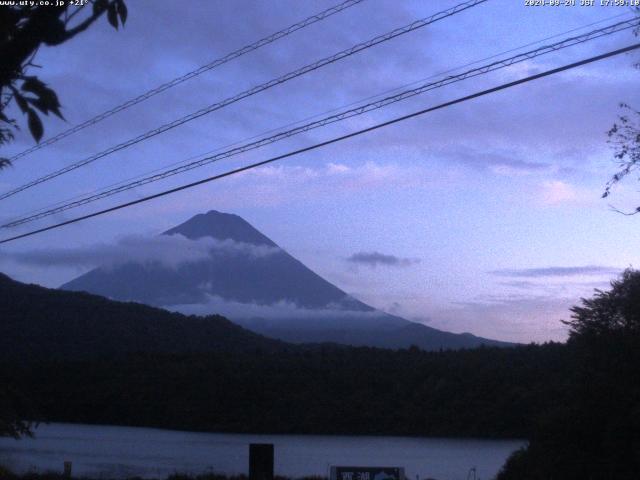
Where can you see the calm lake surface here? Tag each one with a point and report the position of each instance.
(120, 452)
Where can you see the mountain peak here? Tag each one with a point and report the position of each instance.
(273, 294)
(221, 226)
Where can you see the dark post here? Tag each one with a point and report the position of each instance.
(67, 469)
(261, 461)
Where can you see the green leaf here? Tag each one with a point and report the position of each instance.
(122, 11)
(33, 85)
(50, 101)
(39, 104)
(47, 100)
(53, 32)
(112, 15)
(99, 6)
(21, 101)
(35, 125)
(56, 111)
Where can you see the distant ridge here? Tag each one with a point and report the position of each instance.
(258, 285)
(38, 323)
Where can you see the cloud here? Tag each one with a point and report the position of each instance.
(505, 161)
(394, 309)
(276, 185)
(373, 259)
(524, 284)
(557, 271)
(509, 317)
(369, 174)
(556, 192)
(169, 250)
(281, 310)
(519, 168)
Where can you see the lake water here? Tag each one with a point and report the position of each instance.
(121, 452)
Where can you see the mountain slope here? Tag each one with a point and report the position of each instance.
(395, 337)
(247, 267)
(255, 283)
(41, 323)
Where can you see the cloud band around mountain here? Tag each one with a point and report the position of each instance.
(169, 250)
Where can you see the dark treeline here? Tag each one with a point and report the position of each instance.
(593, 431)
(47, 324)
(8, 475)
(577, 403)
(486, 392)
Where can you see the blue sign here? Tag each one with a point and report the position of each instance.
(367, 473)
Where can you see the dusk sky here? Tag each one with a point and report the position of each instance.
(484, 217)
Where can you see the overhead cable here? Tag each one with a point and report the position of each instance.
(192, 74)
(252, 91)
(503, 86)
(482, 70)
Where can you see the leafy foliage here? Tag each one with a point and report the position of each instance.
(38, 324)
(14, 408)
(43, 324)
(23, 29)
(614, 311)
(76, 356)
(596, 433)
(6, 474)
(624, 137)
(485, 392)
(42, 98)
(577, 403)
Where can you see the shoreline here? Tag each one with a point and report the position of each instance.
(6, 474)
(281, 434)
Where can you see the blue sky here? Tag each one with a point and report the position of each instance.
(488, 213)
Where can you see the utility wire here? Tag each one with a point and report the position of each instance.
(503, 86)
(252, 91)
(482, 70)
(317, 115)
(192, 74)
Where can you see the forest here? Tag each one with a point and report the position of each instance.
(487, 392)
(577, 403)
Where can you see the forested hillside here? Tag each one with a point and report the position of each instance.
(487, 392)
(41, 323)
(578, 403)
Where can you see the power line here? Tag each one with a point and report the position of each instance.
(252, 91)
(331, 119)
(192, 74)
(317, 115)
(503, 86)
(500, 64)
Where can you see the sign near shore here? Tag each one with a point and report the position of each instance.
(367, 473)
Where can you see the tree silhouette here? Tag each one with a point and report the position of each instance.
(23, 29)
(614, 311)
(593, 430)
(624, 137)
(14, 408)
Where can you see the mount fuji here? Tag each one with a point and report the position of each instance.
(230, 268)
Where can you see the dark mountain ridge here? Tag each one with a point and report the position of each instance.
(41, 323)
(263, 289)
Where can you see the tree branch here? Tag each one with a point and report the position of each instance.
(81, 27)
(628, 214)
